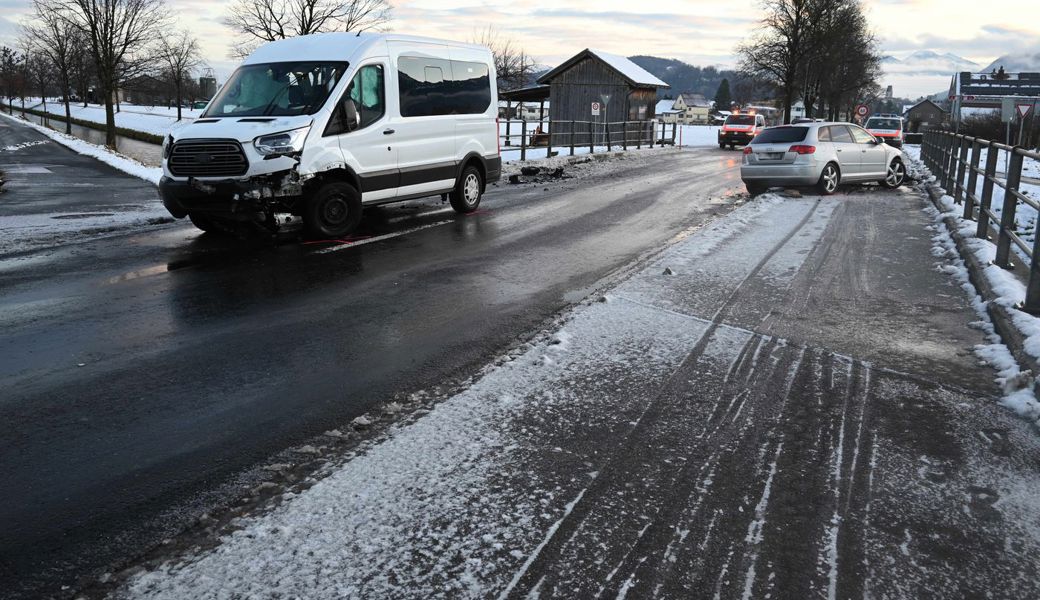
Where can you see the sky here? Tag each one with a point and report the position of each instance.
(700, 32)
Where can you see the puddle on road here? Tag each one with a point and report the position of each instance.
(82, 215)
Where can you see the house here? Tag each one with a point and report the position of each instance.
(923, 114)
(666, 111)
(603, 94)
(972, 91)
(695, 109)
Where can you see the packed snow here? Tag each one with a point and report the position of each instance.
(157, 120)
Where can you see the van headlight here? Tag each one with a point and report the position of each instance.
(280, 144)
(167, 146)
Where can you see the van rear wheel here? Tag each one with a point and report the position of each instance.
(333, 211)
(469, 189)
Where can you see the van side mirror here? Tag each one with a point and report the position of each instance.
(353, 118)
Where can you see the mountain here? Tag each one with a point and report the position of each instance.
(684, 77)
(1016, 63)
(922, 72)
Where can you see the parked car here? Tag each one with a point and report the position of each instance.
(821, 154)
(740, 129)
(309, 130)
(200, 105)
(888, 128)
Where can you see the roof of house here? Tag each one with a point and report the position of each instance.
(665, 106)
(926, 100)
(695, 100)
(630, 71)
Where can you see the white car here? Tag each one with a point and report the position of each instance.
(311, 129)
(824, 155)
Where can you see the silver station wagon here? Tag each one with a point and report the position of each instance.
(824, 155)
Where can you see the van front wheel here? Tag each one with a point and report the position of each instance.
(333, 211)
(469, 189)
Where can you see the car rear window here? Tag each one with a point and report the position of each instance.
(782, 135)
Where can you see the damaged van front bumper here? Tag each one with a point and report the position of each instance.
(253, 199)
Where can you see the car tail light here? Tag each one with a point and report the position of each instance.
(803, 149)
(747, 149)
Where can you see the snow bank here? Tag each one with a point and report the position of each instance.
(157, 120)
(113, 159)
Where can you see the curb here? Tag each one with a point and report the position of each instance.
(1001, 315)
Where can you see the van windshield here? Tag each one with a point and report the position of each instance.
(276, 89)
(876, 123)
(740, 120)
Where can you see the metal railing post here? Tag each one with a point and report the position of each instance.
(973, 179)
(950, 164)
(1007, 215)
(962, 163)
(523, 140)
(982, 231)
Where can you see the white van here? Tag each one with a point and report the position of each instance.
(310, 129)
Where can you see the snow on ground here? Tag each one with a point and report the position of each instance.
(1018, 388)
(686, 135)
(113, 159)
(157, 120)
(430, 490)
(24, 233)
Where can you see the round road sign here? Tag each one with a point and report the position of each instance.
(862, 110)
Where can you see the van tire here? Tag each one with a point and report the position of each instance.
(333, 211)
(469, 190)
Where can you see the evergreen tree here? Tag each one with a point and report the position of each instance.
(723, 100)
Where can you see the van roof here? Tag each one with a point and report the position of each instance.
(336, 46)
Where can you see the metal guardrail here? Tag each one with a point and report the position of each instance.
(571, 135)
(955, 159)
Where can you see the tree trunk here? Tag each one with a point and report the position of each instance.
(68, 110)
(110, 123)
(178, 100)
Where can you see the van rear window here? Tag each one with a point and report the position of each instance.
(433, 86)
(782, 135)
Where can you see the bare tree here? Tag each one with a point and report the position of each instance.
(514, 67)
(121, 33)
(259, 21)
(180, 55)
(55, 38)
(41, 73)
(12, 75)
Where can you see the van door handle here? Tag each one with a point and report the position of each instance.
(388, 132)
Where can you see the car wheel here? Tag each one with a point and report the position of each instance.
(469, 189)
(722, 146)
(333, 211)
(755, 189)
(206, 223)
(830, 178)
(895, 175)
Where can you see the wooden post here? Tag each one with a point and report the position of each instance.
(592, 140)
(509, 120)
(606, 131)
(548, 143)
(639, 136)
(624, 137)
(653, 133)
(675, 127)
(574, 128)
(523, 140)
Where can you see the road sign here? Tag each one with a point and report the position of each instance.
(1023, 110)
(862, 110)
(1007, 110)
(595, 109)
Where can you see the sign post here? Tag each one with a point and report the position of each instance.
(1022, 110)
(862, 110)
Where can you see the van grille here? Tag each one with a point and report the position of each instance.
(208, 158)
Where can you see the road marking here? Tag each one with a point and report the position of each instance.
(379, 238)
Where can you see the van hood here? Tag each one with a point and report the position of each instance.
(243, 129)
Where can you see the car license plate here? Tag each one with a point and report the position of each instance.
(772, 155)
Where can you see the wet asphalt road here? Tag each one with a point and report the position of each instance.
(142, 372)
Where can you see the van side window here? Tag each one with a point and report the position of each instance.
(368, 94)
(433, 86)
